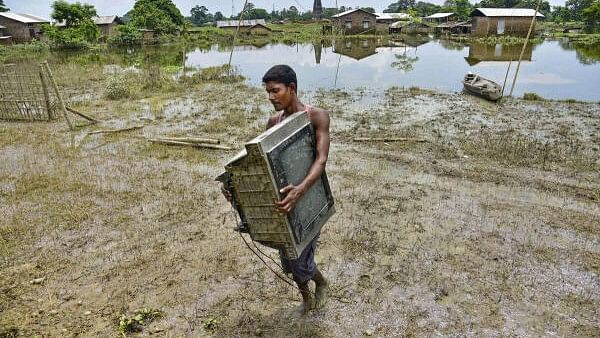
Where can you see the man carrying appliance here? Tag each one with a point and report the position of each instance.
(281, 85)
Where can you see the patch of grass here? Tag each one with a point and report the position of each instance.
(511, 148)
(137, 321)
(532, 97)
(224, 74)
(20, 51)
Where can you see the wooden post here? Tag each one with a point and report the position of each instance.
(46, 94)
(60, 99)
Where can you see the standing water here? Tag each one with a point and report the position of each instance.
(552, 69)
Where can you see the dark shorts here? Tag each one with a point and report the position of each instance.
(303, 269)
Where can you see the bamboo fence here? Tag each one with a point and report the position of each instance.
(25, 93)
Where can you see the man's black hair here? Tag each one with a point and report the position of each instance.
(281, 74)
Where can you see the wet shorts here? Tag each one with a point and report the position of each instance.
(303, 269)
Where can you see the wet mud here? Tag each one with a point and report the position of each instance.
(488, 228)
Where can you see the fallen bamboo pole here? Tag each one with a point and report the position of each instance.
(188, 144)
(89, 118)
(388, 139)
(57, 92)
(113, 131)
(190, 139)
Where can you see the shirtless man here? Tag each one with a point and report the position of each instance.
(282, 86)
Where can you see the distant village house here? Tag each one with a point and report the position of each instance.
(4, 39)
(355, 21)
(107, 24)
(499, 21)
(441, 17)
(384, 20)
(258, 26)
(22, 27)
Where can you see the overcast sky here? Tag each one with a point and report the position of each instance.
(120, 7)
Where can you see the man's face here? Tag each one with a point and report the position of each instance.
(280, 95)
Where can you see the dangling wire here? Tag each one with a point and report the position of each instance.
(284, 279)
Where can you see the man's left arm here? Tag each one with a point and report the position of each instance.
(292, 193)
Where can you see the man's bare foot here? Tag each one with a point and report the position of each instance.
(321, 294)
(307, 305)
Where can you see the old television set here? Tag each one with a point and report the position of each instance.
(280, 156)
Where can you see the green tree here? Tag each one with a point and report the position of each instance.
(426, 8)
(80, 29)
(560, 14)
(532, 4)
(3, 7)
(219, 16)
(399, 6)
(72, 14)
(368, 9)
(577, 6)
(462, 8)
(200, 15)
(591, 16)
(162, 16)
(128, 35)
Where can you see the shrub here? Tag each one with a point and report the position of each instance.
(532, 97)
(118, 87)
(128, 35)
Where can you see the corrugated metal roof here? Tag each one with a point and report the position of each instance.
(350, 11)
(104, 20)
(243, 23)
(24, 18)
(507, 12)
(392, 16)
(438, 15)
(98, 20)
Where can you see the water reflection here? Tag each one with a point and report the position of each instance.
(499, 52)
(586, 53)
(553, 69)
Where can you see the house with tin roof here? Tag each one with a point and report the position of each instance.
(384, 20)
(502, 21)
(107, 24)
(22, 27)
(258, 26)
(441, 17)
(355, 21)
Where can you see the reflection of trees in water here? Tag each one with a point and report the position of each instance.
(587, 54)
(451, 45)
(404, 62)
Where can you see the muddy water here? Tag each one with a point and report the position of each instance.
(552, 69)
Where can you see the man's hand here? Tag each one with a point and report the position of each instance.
(292, 194)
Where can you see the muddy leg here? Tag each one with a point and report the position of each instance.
(307, 301)
(321, 287)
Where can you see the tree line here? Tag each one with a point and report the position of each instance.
(163, 17)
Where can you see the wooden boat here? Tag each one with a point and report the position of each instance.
(483, 87)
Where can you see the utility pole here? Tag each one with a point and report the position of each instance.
(232, 8)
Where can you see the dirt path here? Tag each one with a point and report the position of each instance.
(490, 228)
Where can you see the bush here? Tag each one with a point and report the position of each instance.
(118, 87)
(222, 73)
(128, 35)
(532, 97)
(75, 37)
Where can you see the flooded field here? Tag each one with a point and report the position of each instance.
(552, 69)
(486, 226)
